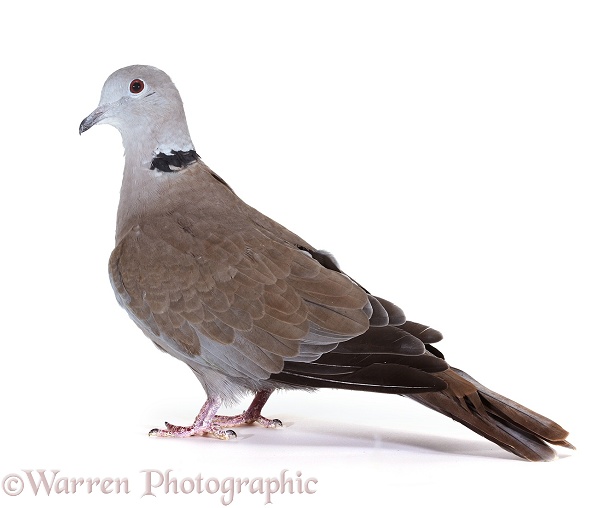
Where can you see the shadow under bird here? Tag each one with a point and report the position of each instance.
(251, 307)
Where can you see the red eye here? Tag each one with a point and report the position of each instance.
(137, 86)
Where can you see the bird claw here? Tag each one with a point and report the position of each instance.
(268, 423)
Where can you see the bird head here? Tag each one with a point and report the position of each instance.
(144, 105)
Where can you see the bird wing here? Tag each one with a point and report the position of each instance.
(389, 359)
(214, 282)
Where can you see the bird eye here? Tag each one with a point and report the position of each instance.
(136, 86)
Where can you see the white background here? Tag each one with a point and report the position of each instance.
(448, 153)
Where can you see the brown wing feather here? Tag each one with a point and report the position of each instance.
(185, 278)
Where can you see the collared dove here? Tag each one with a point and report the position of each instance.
(251, 307)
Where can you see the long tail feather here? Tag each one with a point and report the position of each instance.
(497, 418)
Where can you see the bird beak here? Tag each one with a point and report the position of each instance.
(92, 119)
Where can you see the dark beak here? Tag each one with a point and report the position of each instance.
(92, 119)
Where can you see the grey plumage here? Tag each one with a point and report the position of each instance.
(251, 307)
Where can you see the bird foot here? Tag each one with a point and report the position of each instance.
(247, 419)
(212, 429)
(208, 422)
(217, 426)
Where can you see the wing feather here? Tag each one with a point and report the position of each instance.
(187, 288)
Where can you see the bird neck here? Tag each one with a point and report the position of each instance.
(149, 173)
(148, 138)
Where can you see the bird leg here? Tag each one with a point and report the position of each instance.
(208, 422)
(251, 414)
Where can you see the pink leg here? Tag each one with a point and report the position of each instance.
(208, 422)
(250, 415)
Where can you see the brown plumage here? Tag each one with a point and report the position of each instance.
(251, 307)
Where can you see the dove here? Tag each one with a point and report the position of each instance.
(249, 306)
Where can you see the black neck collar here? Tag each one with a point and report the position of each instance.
(174, 161)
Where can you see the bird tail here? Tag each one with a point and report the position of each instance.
(497, 418)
